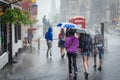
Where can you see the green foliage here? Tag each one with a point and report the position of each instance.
(15, 16)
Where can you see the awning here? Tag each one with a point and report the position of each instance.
(4, 3)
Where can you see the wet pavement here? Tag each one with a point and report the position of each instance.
(33, 65)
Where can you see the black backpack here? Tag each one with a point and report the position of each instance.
(87, 43)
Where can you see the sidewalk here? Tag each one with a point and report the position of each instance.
(35, 65)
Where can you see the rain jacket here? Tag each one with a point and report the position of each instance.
(86, 43)
(71, 44)
(49, 35)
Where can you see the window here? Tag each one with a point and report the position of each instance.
(17, 32)
(2, 39)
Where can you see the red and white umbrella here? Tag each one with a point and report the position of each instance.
(32, 28)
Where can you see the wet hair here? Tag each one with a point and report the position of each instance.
(70, 32)
(62, 30)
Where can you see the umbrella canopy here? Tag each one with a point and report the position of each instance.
(67, 25)
(73, 26)
(32, 28)
(81, 30)
(70, 25)
(59, 24)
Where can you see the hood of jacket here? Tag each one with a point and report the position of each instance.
(49, 29)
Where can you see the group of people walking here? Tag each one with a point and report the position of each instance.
(73, 44)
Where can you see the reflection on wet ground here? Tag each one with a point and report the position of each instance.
(35, 66)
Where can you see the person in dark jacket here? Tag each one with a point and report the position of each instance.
(85, 46)
(49, 39)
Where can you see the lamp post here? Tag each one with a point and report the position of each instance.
(102, 32)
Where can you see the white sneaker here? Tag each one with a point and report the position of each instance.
(70, 74)
(50, 57)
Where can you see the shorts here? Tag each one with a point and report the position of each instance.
(86, 53)
(49, 44)
(100, 49)
(61, 44)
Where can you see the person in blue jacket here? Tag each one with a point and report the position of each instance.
(49, 39)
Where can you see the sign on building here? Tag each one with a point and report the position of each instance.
(33, 9)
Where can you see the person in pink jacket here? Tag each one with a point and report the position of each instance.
(71, 45)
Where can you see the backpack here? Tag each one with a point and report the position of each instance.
(98, 39)
(87, 43)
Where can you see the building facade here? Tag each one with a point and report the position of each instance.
(95, 11)
(11, 36)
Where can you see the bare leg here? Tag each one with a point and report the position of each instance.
(62, 52)
(85, 61)
(100, 62)
(50, 51)
(95, 60)
(47, 52)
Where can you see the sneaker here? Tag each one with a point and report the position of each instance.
(62, 56)
(86, 75)
(100, 68)
(50, 54)
(75, 73)
(50, 57)
(94, 66)
(70, 74)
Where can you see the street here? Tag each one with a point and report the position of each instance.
(35, 66)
